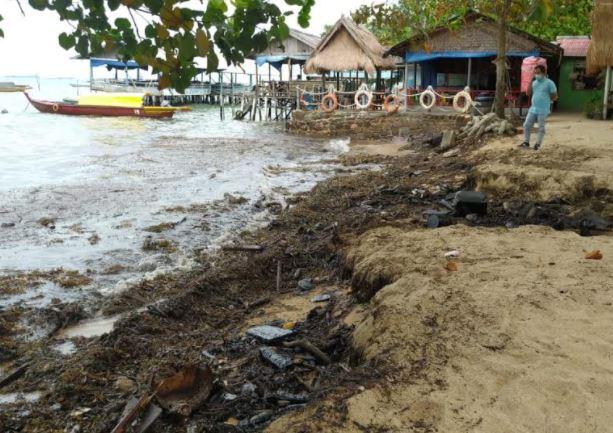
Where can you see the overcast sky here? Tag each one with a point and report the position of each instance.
(30, 45)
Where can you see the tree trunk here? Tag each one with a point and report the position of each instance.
(501, 60)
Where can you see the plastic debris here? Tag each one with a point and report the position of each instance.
(594, 255)
(248, 388)
(276, 359)
(452, 254)
(257, 419)
(321, 298)
(452, 266)
(269, 334)
(305, 285)
(186, 390)
(292, 398)
(228, 396)
(470, 202)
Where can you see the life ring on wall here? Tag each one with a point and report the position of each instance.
(55, 108)
(325, 103)
(427, 94)
(358, 99)
(468, 102)
(391, 104)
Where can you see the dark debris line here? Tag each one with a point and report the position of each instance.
(201, 318)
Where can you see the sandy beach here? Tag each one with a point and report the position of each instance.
(505, 333)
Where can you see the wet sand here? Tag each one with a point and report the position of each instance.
(401, 360)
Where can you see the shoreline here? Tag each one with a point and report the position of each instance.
(320, 238)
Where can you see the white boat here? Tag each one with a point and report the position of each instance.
(9, 86)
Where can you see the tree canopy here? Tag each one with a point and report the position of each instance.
(393, 22)
(169, 35)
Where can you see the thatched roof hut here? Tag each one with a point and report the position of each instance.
(600, 53)
(349, 47)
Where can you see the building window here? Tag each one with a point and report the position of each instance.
(579, 79)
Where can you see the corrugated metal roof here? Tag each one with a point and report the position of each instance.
(574, 46)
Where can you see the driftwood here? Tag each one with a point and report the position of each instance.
(14, 375)
(311, 348)
(279, 268)
(490, 123)
(255, 304)
(125, 421)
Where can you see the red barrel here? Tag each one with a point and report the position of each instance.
(527, 71)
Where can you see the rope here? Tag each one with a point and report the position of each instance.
(399, 93)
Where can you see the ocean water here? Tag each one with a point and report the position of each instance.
(103, 181)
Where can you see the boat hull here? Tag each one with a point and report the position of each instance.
(95, 110)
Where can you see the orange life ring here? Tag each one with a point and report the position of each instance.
(55, 108)
(391, 104)
(324, 103)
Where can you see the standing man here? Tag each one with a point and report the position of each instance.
(543, 92)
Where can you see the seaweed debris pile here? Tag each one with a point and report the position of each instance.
(354, 283)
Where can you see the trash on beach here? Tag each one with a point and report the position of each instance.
(594, 255)
(436, 218)
(269, 334)
(309, 347)
(321, 298)
(289, 325)
(452, 254)
(132, 411)
(278, 360)
(256, 419)
(305, 285)
(185, 391)
(14, 375)
(232, 421)
(452, 266)
(245, 248)
(470, 202)
(292, 398)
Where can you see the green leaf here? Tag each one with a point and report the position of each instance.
(66, 41)
(202, 42)
(114, 4)
(212, 61)
(40, 5)
(150, 31)
(122, 23)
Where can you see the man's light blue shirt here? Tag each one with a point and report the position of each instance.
(541, 96)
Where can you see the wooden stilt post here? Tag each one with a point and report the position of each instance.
(256, 98)
(470, 71)
(221, 96)
(91, 75)
(289, 86)
(607, 93)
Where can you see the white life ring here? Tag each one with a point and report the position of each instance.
(427, 94)
(358, 96)
(468, 102)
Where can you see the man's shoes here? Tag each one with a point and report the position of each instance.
(537, 146)
(525, 145)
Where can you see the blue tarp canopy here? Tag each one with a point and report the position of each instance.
(277, 61)
(422, 56)
(114, 64)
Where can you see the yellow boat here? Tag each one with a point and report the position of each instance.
(107, 104)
